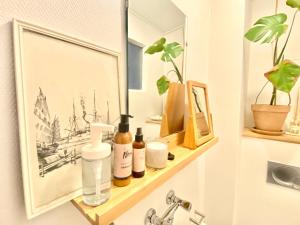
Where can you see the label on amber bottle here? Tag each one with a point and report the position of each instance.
(122, 160)
(138, 160)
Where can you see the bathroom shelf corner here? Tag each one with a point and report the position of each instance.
(124, 198)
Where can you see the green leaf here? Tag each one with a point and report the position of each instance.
(267, 29)
(171, 50)
(293, 3)
(157, 46)
(162, 85)
(284, 76)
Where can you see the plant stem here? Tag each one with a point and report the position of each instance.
(287, 40)
(275, 52)
(273, 99)
(196, 100)
(260, 92)
(177, 71)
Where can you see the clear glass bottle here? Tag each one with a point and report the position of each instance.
(96, 167)
(96, 180)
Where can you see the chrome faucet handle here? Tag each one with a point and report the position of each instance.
(202, 217)
(194, 221)
(151, 218)
(200, 214)
(167, 218)
(171, 197)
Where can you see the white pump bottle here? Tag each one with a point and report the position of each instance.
(96, 167)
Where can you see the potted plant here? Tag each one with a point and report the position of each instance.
(284, 74)
(173, 117)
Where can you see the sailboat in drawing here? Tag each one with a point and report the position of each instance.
(57, 147)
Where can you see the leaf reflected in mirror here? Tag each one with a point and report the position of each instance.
(162, 85)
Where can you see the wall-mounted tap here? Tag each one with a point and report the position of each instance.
(168, 217)
(196, 221)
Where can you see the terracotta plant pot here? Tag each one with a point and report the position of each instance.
(269, 117)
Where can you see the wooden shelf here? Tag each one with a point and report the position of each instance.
(284, 138)
(125, 197)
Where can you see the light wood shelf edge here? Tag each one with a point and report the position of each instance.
(124, 198)
(283, 138)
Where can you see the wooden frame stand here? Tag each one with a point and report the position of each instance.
(192, 138)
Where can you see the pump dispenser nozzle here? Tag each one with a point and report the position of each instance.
(124, 124)
(97, 132)
(139, 134)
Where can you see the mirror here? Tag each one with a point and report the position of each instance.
(199, 129)
(148, 22)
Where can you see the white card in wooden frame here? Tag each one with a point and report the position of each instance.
(199, 125)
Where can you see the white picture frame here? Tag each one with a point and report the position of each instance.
(47, 67)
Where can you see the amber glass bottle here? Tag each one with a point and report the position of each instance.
(138, 155)
(123, 154)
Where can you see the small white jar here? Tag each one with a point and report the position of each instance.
(156, 155)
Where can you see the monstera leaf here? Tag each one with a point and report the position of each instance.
(268, 28)
(169, 51)
(293, 3)
(162, 85)
(284, 76)
(157, 46)
(172, 50)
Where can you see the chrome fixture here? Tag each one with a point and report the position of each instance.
(196, 221)
(284, 175)
(168, 217)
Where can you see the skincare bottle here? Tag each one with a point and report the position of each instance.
(123, 153)
(138, 155)
(96, 167)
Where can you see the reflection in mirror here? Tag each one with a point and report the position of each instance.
(148, 21)
(200, 111)
(199, 128)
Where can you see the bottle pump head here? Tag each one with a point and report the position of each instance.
(139, 134)
(97, 132)
(124, 124)
(97, 150)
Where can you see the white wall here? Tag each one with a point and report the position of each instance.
(225, 92)
(99, 21)
(261, 203)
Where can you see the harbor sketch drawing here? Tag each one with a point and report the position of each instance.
(59, 145)
(64, 85)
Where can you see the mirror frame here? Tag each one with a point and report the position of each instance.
(191, 139)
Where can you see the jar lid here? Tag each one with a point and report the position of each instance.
(101, 151)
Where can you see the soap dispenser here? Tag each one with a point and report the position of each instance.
(123, 153)
(96, 167)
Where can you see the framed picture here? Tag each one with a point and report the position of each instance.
(63, 85)
(199, 125)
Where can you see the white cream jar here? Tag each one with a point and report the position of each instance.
(156, 155)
